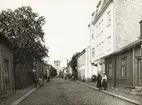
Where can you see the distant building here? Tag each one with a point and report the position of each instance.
(114, 25)
(57, 66)
(84, 67)
(6, 66)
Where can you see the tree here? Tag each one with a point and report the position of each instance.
(73, 64)
(23, 28)
(53, 71)
(73, 61)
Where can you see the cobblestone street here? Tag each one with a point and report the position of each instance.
(61, 92)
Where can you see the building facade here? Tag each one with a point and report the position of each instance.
(81, 65)
(57, 66)
(111, 29)
(85, 69)
(124, 67)
(6, 66)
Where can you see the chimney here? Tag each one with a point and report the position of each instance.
(140, 29)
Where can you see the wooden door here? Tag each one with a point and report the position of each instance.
(6, 75)
(140, 72)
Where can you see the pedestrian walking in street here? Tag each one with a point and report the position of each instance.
(104, 81)
(99, 79)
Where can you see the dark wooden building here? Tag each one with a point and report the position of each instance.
(124, 66)
(6, 66)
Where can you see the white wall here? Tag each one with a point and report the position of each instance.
(85, 68)
(104, 34)
(91, 70)
(81, 65)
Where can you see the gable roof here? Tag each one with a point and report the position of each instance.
(81, 53)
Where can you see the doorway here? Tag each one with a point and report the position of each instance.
(140, 72)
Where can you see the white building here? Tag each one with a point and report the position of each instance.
(57, 66)
(85, 69)
(114, 25)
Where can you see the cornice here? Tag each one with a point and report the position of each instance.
(98, 15)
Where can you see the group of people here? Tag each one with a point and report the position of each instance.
(40, 78)
(70, 77)
(102, 81)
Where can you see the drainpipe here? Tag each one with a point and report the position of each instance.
(134, 72)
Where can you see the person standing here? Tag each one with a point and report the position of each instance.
(34, 76)
(104, 81)
(99, 79)
(48, 75)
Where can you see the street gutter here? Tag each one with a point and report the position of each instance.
(114, 95)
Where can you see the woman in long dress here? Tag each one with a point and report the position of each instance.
(104, 81)
(99, 78)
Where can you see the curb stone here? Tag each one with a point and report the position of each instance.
(112, 94)
(18, 101)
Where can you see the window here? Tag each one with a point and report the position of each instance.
(92, 33)
(109, 43)
(123, 67)
(92, 36)
(108, 18)
(110, 69)
(93, 52)
(102, 50)
(98, 4)
(97, 50)
(6, 70)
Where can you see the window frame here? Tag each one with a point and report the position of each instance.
(123, 67)
(93, 52)
(108, 18)
(108, 43)
(110, 68)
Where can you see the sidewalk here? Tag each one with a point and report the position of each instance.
(16, 95)
(123, 93)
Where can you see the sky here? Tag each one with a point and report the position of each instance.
(66, 29)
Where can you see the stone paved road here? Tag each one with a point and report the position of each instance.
(61, 92)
